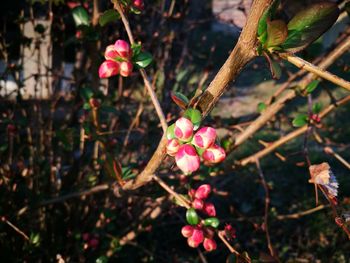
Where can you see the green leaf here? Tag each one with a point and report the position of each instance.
(170, 134)
(143, 59)
(317, 107)
(192, 217)
(180, 99)
(136, 49)
(261, 106)
(34, 239)
(102, 259)
(108, 16)
(276, 70)
(194, 116)
(86, 93)
(267, 15)
(277, 33)
(80, 16)
(312, 86)
(309, 24)
(212, 221)
(300, 120)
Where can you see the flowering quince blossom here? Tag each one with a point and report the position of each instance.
(139, 4)
(204, 137)
(214, 154)
(187, 159)
(199, 234)
(118, 60)
(183, 129)
(202, 143)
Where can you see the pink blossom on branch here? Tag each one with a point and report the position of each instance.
(187, 159)
(123, 48)
(125, 68)
(209, 244)
(183, 129)
(204, 137)
(209, 209)
(108, 69)
(203, 191)
(172, 147)
(214, 154)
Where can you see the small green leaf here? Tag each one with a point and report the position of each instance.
(86, 93)
(108, 16)
(312, 86)
(102, 259)
(317, 107)
(194, 116)
(80, 16)
(34, 239)
(277, 33)
(276, 70)
(212, 221)
(136, 49)
(300, 120)
(309, 24)
(267, 15)
(180, 99)
(170, 134)
(143, 59)
(261, 106)
(192, 217)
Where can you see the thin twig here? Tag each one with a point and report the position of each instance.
(146, 80)
(272, 146)
(266, 212)
(303, 213)
(303, 64)
(15, 228)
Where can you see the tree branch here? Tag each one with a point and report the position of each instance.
(243, 52)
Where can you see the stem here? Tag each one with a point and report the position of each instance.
(266, 213)
(146, 80)
(303, 64)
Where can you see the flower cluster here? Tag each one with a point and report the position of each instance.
(200, 231)
(199, 234)
(186, 146)
(198, 198)
(118, 60)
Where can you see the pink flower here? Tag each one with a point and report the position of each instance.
(196, 238)
(123, 48)
(187, 231)
(172, 147)
(183, 129)
(108, 69)
(111, 53)
(125, 68)
(209, 209)
(203, 191)
(209, 244)
(214, 154)
(139, 4)
(204, 137)
(187, 159)
(198, 204)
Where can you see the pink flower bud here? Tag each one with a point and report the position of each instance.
(108, 69)
(196, 238)
(209, 244)
(139, 4)
(214, 154)
(198, 204)
(204, 137)
(93, 242)
(187, 231)
(123, 48)
(125, 68)
(203, 191)
(209, 209)
(183, 129)
(187, 159)
(111, 53)
(172, 147)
